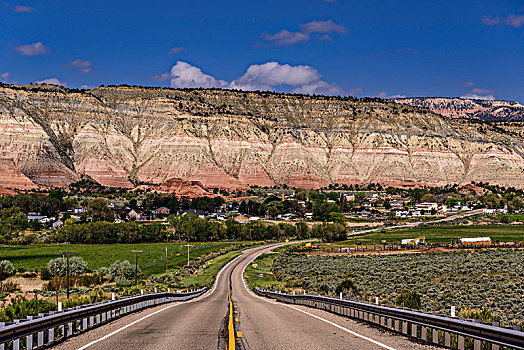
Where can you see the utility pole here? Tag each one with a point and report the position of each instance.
(167, 273)
(188, 253)
(67, 252)
(56, 285)
(136, 264)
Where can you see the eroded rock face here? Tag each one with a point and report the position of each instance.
(228, 140)
(468, 108)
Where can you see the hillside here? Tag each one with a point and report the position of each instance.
(468, 108)
(129, 136)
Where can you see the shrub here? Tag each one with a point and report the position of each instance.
(77, 266)
(6, 269)
(45, 274)
(8, 287)
(21, 307)
(408, 299)
(347, 288)
(121, 272)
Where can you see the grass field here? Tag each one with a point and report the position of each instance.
(207, 277)
(151, 260)
(503, 233)
(265, 264)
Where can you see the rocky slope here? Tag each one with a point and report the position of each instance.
(468, 108)
(199, 140)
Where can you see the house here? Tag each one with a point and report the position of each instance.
(79, 210)
(40, 218)
(489, 211)
(241, 219)
(57, 224)
(161, 211)
(134, 215)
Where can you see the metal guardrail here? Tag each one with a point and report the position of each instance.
(46, 329)
(437, 329)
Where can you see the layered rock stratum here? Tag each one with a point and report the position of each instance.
(198, 140)
(469, 108)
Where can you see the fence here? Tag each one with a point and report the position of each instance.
(45, 330)
(445, 331)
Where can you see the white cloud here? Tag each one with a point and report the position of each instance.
(323, 27)
(466, 84)
(83, 66)
(176, 49)
(4, 77)
(286, 37)
(161, 77)
(384, 95)
(87, 87)
(33, 49)
(185, 75)
(514, 20)
(490, 21)
(480, 94)
(271, 74)
(357, 90)
(52, 81)
(266, 76)
(19, 8)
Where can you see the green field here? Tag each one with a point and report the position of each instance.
(151, 260)
(443, 234)
(207, 277)
(265, 264)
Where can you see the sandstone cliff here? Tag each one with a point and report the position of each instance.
(468, 108)
(127, 136)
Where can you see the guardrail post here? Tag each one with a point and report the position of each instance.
(404, 327)
(84, 324)
(397, 325)
(390, 323)
(460, 343)
(50, 335)
(424, 333)
(414, 329)
(434, 336)
(476, 344)
(91, 321)
(495, 347)
(16, 344)
(447, 339)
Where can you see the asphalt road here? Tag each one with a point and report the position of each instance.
(265, 324)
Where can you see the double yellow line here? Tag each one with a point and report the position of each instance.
(230, 326)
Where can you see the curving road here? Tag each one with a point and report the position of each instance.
(265, 324)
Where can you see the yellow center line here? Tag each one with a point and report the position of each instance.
(230, 327)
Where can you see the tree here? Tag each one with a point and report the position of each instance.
(98, 210)
(272, 211)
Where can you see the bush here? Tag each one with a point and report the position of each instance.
(21, 307)
(8, 287)
(121, 272)
(6, 269)
(77, 266)
(408, 299)
(348, 289)
(45, 274)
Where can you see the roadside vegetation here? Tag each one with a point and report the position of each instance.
(470, 280)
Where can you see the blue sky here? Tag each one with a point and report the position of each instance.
(364, 48)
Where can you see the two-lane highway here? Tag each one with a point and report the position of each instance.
(201, 323)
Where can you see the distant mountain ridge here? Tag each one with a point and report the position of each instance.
(193, 141)
(457, 107)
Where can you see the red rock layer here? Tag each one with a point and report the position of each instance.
(11, 177)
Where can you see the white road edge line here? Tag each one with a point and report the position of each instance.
(307, 313)
(158, 311)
